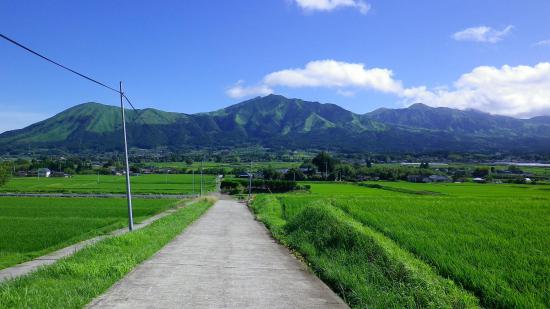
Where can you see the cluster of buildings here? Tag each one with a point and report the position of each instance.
(427, 179)
(42, 172)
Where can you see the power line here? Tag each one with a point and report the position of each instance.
(56, 63)
(122, 97)
(65, 67)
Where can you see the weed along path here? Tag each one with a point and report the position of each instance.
(226, 259)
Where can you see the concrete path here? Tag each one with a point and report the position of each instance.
(224, 260)
(50, 258)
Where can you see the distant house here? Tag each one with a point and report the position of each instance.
(439, 178)
(22, 174)
(528, 180)
(417, 178)
(60, 174)
(44, 172)
(479, 180)
(244, 175)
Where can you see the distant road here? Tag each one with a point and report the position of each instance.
(100, 195)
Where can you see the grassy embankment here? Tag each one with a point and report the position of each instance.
(380, 247)
(75, 281)
(144, 184)
(32, 227)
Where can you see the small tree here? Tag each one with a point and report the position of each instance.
(188, 161)
(481, 172)
(271, 173)
(5, 174)
(295, 174)
(324, 162)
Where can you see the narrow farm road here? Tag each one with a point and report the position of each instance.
(224, 260)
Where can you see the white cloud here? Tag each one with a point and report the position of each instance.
(335, 74)
(482, 34)
(329, 5)
(345, 93)
(542, 43)
(520, 91)
(12, 120)
(240, 91)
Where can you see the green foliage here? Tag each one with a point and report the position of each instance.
(5, 173)
(75, 281)
(295, 174)
(32, 227)
(271, 173)
(366, 268)
(240, 186)
(481, 172)
(144, 184)
(490, 239)
(324, 162)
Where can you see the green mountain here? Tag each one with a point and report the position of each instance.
(277, 122)
(420, 116)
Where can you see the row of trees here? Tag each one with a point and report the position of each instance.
(325, 167)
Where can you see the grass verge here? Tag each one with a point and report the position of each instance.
(366, 268)
(75, 281)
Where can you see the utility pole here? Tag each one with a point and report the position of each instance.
(201, 178)
(250, 182)
(128, 189)
(193, 171)
(97, 177)
(326, 170)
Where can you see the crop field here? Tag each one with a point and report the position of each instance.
(491, 241)
(31, 227)
(144, 184)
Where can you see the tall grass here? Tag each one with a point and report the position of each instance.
(365, 267)
(490, 239)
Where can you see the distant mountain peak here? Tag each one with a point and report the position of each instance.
(420, 106)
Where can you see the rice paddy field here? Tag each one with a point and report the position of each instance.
(31, 227)
(397, 244)
(143, 184)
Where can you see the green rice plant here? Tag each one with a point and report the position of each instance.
(490, 239)
(363, 266)
(498, 249)
(32, 227)
(75, 281)
(144, 184)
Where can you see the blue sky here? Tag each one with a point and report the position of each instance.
(196, 56)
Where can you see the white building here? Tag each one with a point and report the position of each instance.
(44, 172)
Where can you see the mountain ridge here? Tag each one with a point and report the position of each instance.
(274, 121)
